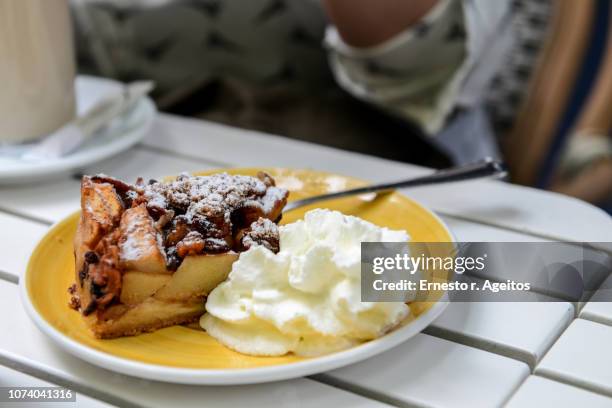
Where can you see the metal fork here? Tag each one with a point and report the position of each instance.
(486, 168)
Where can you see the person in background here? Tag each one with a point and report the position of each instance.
(401, 79)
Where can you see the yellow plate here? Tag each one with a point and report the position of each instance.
(51, 270)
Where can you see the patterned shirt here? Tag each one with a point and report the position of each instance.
(463, 53)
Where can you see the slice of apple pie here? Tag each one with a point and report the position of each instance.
(147, 254)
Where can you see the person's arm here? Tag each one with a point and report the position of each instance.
(366, 23)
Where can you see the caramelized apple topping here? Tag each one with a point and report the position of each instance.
(261, 232)
(202, 215)
(165, 222)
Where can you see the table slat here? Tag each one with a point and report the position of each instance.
(470, 231)
(522, 209)
(599, 308)
(520, 330)
(18, 237)
(581, 357)
(230, 146)
(427, 371)
(541, 392)
(16, 379)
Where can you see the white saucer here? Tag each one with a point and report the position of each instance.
(121, 135)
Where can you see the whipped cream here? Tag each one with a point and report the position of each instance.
(306, 298)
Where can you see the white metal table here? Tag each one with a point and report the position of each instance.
(476, 354)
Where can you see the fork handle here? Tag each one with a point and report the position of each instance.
(485, 168)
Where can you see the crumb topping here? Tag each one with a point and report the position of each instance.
(211, 197)
(262, 232)
(191, 215)
(204, 214)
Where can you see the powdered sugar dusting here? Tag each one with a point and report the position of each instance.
(262, 232)
(131, 249)
(214, 196)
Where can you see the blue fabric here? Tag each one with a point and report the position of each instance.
(468, 137)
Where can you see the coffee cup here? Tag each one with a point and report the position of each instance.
(37, 69)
